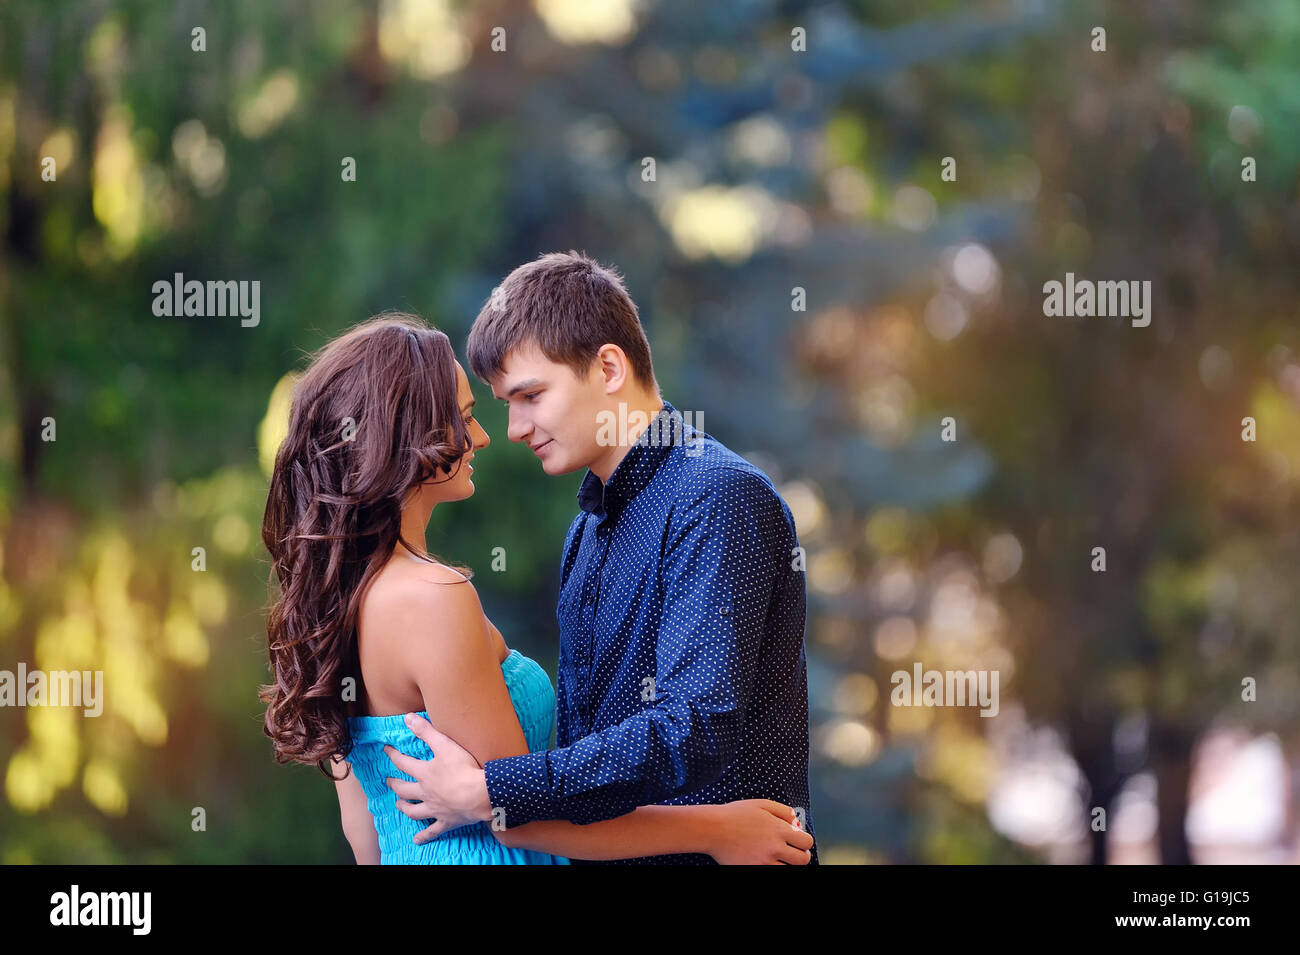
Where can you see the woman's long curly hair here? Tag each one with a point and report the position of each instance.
(374, 416)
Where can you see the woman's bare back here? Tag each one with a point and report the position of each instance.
(387, 685)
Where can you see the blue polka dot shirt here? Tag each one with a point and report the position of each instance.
(682, 678)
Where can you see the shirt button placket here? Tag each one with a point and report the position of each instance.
(587, 645)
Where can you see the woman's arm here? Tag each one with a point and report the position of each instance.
(646, 831)
(742, 832)
(358, 826)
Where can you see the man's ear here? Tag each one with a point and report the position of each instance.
(614, 368)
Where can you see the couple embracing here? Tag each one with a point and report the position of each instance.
(681, 706)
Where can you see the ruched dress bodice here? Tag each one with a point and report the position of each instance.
(534, 701)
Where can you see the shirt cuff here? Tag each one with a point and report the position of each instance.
(519, 789)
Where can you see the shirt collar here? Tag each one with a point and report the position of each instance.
(636, 469)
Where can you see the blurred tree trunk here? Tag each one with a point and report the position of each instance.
(1171, 756)
(1092, 745)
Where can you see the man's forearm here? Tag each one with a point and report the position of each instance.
(597, 778)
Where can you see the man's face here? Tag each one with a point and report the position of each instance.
(551, 409)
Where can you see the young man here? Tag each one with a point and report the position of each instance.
(682, 675)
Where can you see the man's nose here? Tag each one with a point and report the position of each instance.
(517, 429)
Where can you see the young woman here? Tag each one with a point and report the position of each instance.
(368, 626)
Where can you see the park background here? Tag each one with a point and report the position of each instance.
(796, 146)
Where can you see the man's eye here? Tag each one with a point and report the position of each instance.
(530, 397)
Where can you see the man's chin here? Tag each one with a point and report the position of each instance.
(556, 468)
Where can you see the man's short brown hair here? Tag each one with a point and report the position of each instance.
(566, 304)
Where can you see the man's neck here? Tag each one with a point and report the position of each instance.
(649, 406)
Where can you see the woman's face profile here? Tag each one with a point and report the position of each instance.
(459, 484)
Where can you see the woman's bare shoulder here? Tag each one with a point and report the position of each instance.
(402, 588)
(426, 613)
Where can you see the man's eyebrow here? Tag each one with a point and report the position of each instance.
(530, 383)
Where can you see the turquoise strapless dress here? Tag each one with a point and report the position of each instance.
(534, 701)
